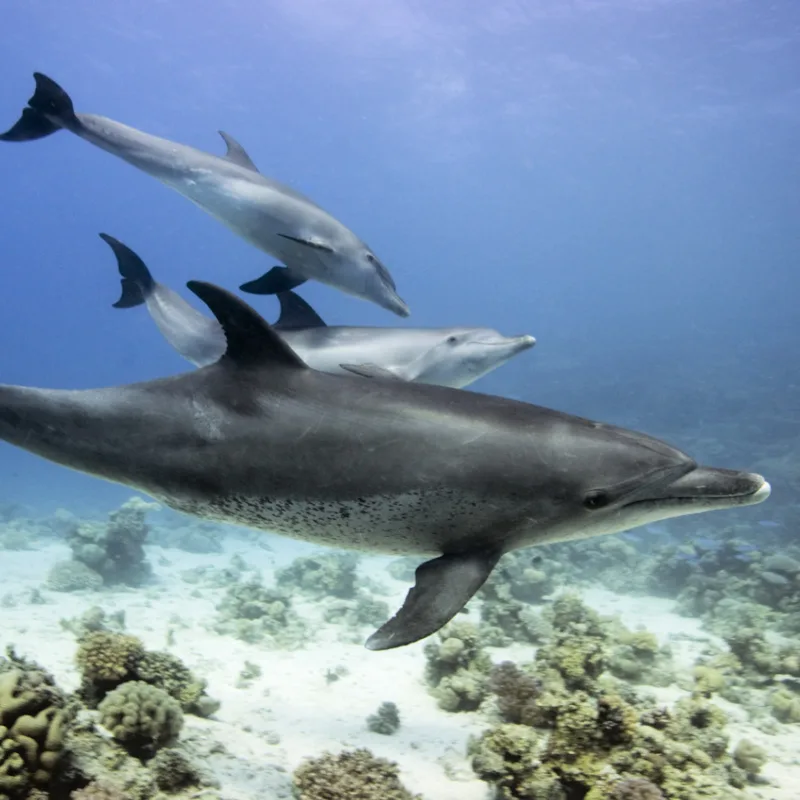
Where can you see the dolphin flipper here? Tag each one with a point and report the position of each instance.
(296, 313)
(443, 587)
(49, 110)
(137, 282)
(236, 153)
(277, 280)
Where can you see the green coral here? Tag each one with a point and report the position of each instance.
(33, 723)
(636, 656)
(350, 775)
(141, 717)
(457, 667)
(749, 757)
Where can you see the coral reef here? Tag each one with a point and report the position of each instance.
(254, 613)
(385, 721)
(141, 717)
(350, 775)
(33, 722)
(115, 550)
(457, 667)
(73, 576)
(328, 575)
(107, 660)
(567, 731)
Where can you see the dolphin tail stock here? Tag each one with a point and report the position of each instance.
(49, 109)
(443, 586)
(137, 282)
(275, 281)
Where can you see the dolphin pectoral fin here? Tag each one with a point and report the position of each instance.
(443, 587)
(277, 280)
(371, 371)
(296, 313)
(315, 243)
(250, 340)
(49, 110)
(236, 154)
(137, 282)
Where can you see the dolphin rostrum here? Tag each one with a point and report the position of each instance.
(260, 439)
(272, 217)
(445, 356)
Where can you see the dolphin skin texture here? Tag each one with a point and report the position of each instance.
(368, 463)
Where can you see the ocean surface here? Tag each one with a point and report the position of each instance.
(619, 179)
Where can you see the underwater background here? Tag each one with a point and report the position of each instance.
(618, 178)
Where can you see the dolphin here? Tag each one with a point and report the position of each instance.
(262, 440)
(272, 217)
(445, 356)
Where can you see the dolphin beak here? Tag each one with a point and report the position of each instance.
(524, 342)
(708, 487)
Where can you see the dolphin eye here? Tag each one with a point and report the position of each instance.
(371, 258)
(595, 500)
(452, 339)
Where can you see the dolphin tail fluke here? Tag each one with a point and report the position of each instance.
(443, 587)
(49, 110)
(137, 282)
(278, 279)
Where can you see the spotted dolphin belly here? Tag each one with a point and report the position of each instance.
(426, 522)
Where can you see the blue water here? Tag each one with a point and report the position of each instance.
(617, 178)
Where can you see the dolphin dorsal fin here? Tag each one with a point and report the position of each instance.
(251, 340)
(236, 154)
(296, 313)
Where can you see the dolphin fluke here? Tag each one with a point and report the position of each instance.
(137, 282)
(49, 110)
(277, 280)
(443, 587)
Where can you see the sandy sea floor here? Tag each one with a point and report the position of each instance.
(291, 711)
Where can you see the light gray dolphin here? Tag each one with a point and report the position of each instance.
(445, 356)
(269, 215)
(260, 439)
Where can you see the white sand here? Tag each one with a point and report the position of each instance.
(291, 712)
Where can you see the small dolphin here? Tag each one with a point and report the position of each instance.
(260, 439)
(445, 356)
(273, 217)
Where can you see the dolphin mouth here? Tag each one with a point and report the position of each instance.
(518, 343)
(710, 487)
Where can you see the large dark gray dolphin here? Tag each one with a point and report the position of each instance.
(444, 356)
(269, 215)
(260, 439)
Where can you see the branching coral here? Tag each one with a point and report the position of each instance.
(457, 667)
